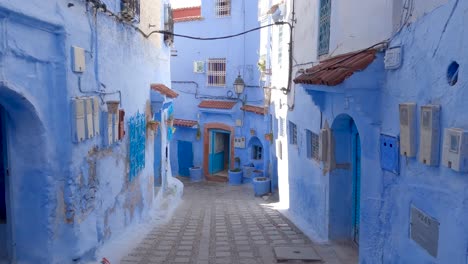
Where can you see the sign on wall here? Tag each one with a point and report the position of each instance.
(424, 230)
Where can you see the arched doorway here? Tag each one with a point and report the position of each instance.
(25, 174)
(345, 181)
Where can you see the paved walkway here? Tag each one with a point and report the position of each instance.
(216, 224)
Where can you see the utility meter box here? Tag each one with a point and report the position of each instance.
(408, 129)
(78, 59)
(429, 139)
(455, 153)
(79, 127)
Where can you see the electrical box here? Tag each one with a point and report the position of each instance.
(429, 139)
(455, 152)
(78, 59)
(239, 142)
(89, 118)
(408, 129)
(389, 154)
(96, 113)
(393, 57)
(78, 120)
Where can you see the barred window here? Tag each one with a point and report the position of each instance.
(223, 8)
(281, 126)
(216, 73)
(292, 133)
(280, 45)
(324, 27)
(312, 145)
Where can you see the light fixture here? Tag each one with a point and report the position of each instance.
(239, 85)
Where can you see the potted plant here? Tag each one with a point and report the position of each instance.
(261, 185)
(235, 176)
(153, 125)
(196, 174)
(269, 137)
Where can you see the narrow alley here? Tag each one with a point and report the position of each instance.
(219, 223)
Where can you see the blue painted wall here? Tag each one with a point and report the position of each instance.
(241, 57)
(371, 99)
(67, 198)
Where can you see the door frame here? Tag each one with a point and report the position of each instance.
(212, 147)
(206, 147)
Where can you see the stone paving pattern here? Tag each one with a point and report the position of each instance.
(217, 223)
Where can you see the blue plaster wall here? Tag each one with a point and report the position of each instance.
(68, 198)
(241, 57)
(371, 98)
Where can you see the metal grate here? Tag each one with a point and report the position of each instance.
(312, 145)
(137, 135)
(281, 126)
(223, 8)
(216, 73)
(130, 10)
(324, 27)
(292, 133)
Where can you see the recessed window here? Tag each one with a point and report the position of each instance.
(223, 8)
(216, 72)
(257, 152)
(312, 145)
(452, 73)
(324, 27)
(292, 133)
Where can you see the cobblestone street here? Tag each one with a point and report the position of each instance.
(217, 223)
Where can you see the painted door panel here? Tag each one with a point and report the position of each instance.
(4, 221)
(356, 187)
(184, 157)
(217, 156)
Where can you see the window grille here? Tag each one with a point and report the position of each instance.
(292, 133)
(281, 127)
(137, 135)
(223, 8)
(280, 45)
(168, 25)
(216, 73)
(312, 145)
(256, 152)
(130, 10)
(324, 27)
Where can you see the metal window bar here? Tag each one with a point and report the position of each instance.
(324, 27)
(281, 127)
(292, 133)
(280, 45)
(130, 10)
(216, 74)
(223, 8)
(313, 142)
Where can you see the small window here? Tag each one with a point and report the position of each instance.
(257, 152)
(312, 145)
(216, 73)
(324, 27)
(223, 8)
(168, 25)
(292, 133)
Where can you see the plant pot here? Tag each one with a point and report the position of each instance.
(247, 173)
(269, 137)
(196, 174)
(235, 177)
(112, 106)
(261, 185)
(153, 125)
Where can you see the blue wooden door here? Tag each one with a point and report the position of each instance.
(356, 186)
(217, 153)
(184, 157)
(4, 221)
(157, 156)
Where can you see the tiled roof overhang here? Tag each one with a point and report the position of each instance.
(185, 123)
(335, 70)
(217, 104)
(187, 14)
(164, 90)
(254, 109)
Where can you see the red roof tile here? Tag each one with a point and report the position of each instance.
(185, 122)
(254, 109)
(217, 104)
(335, 70)
(187, 14)
(164, 90)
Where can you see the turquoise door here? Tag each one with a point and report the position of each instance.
(184, 157)
(217, 156)
(356, 186)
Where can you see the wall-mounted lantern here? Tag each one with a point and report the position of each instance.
(239, 86)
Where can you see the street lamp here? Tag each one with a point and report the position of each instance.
(239, 85)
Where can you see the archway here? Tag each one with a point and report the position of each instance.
(211, 150)
(344, 181)
(26, 172)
